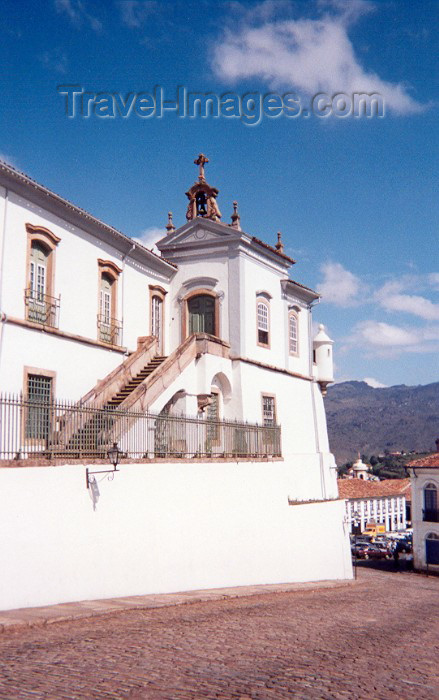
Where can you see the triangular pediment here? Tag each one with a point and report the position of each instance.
(199, 231)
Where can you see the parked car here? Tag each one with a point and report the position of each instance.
(360, 539)
(384, 545)
(359, 550)
(374, 551)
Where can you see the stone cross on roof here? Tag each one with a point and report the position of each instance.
(201, 160)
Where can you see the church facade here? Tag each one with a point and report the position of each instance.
(214, 337)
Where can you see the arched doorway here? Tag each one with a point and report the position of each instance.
(201, 314)
(432, 548)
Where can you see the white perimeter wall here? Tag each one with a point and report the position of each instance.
(160, 528)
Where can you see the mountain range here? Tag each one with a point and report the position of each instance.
(368, 420)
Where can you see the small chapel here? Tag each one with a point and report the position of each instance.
(196, 367)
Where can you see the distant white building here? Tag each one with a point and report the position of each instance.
(360, 470)
(381, 502)
(213, 329)
(425, 511)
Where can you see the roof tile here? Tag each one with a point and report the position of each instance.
(429, 461)
(360, 488)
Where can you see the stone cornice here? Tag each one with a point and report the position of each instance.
(62, 334)
(271, 368)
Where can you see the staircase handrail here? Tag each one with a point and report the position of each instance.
(194, 346)
(119, 377)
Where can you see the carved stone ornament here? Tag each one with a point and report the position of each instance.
(203, 400)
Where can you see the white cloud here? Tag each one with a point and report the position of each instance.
(433, 279)
(383, 334)
(134, 13)
(149, 238)
(412, 304)
(386, 340)
(392, 297)
(339, 286)
(309, 55)
(76, 11)
(374, 383)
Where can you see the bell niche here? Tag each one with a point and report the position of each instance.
(202, 197)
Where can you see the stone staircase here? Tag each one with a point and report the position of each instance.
(109, 409)
(89, 436)
(123, 394)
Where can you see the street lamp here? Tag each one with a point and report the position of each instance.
(113, 455)
(356, 520)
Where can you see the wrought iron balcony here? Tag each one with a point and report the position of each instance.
(430, 515)
(109, 330)
(41, 308)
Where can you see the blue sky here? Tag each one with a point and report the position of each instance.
(355, 198)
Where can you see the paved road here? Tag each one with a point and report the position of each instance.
(378, 639)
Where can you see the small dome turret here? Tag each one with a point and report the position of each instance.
(322, 347)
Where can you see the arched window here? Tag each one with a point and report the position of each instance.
(39, 255)
(106, 300)
(263, 322)
(293, 333)
(41, 305)
(431, 513)
(109, 328)
(157, 298)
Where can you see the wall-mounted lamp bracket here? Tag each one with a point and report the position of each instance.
(114, 455)
(89, 473)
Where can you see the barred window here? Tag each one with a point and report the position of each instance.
(39, 396)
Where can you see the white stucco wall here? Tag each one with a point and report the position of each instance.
(420, 528)
(299, 411)
(76, 276)
(78, 366)
(258, 277)
(160, 528)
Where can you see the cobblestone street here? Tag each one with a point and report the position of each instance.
(376, 639)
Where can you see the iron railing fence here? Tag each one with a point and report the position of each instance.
(109, 330)
(41, 308)
(50, 429)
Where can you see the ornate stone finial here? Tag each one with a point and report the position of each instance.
(201, 161)
(170, 225)
(235, 217)
(279, 245)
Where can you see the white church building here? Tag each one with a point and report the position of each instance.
(199, 365)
